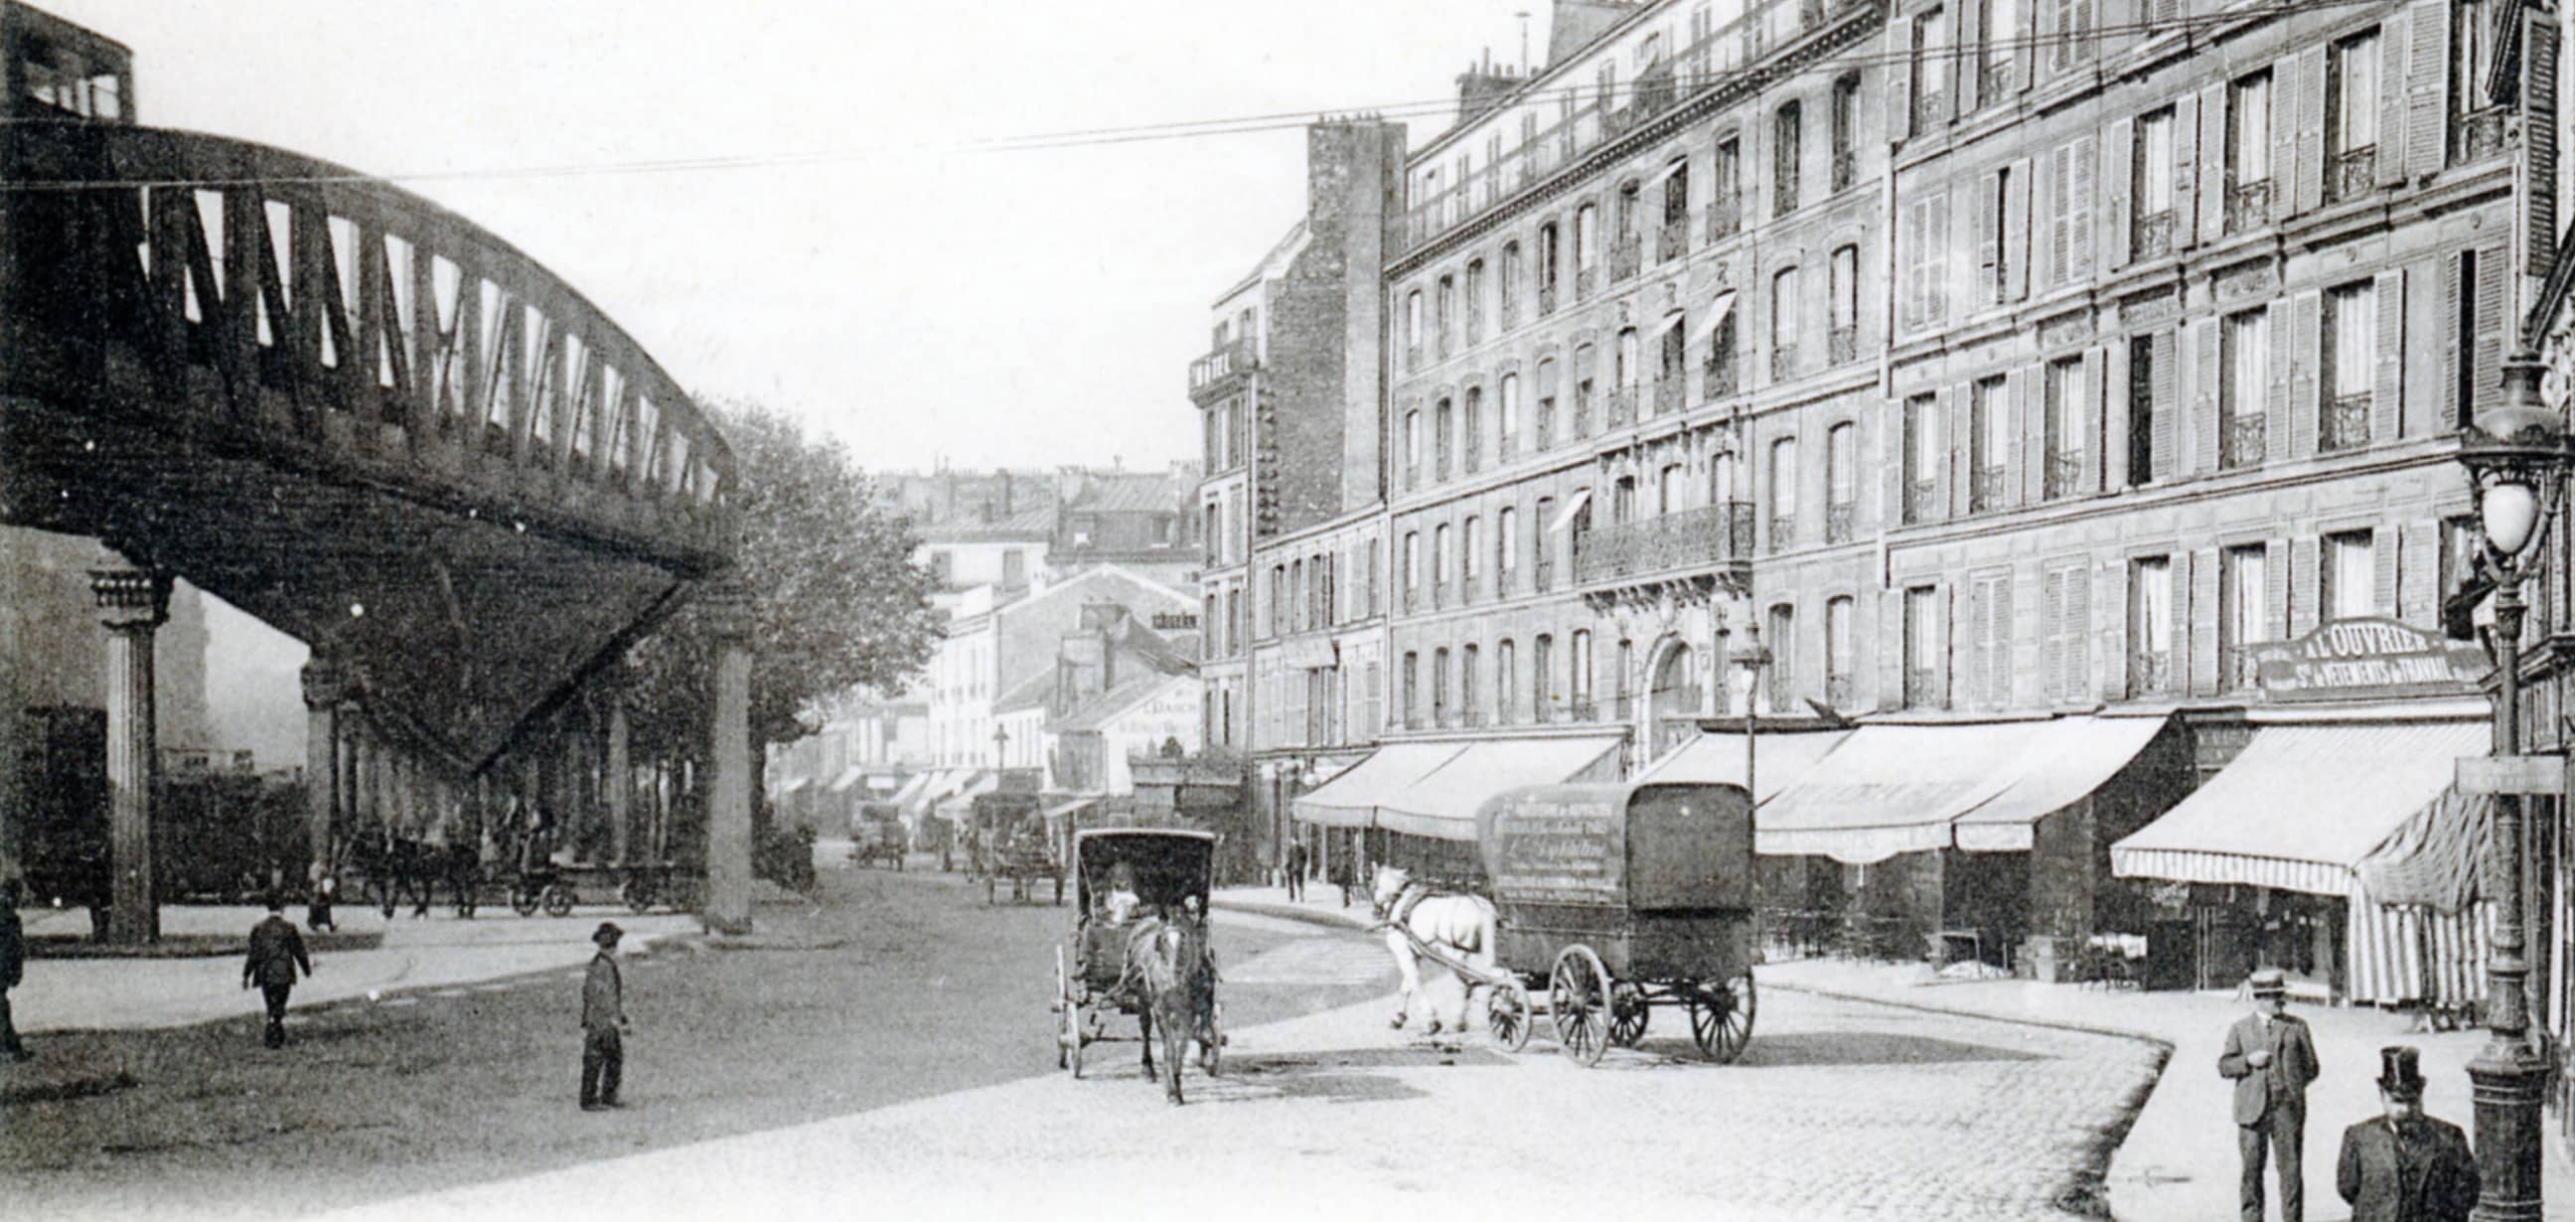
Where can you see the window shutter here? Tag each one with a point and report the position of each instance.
(2083, 232)
(2286, 120)
(2447, 415)
(1897, 83)
(2303, 587)
(2203, 616)
(2213, 161)
(2196, 434)
(2491, 325)
(2387, 384)
(2111, 613)
(2106, 419)
(2428, 66)
(2024, 43)
(2054, 203)
(1890, 430)
(1971, 61)
(2387, 551)
(2186, 168)
(2164, 391)
(2079, 604)
(2178, 667)
(2392, 101)
(2310, 186)
(1989, 245)
(1951, 214)
(2536, 170)
(1891, 650)
(2419, 584)
(1982, 662)
(2017, 242)
(1999, 659)
(2278, 401)
(2276, 590)
(2022, 449)
(2307, 315)
(1954, 417)
(2117, 152)
(2052, 653)
(2088, 390)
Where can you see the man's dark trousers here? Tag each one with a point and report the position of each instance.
(603, 1060)
(276, 997)
(2285, 1125)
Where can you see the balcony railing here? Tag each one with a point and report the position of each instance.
(1846, 170)
(1511, 311)
(2243, 441)
(1839, 518)
(1505, 447)
(1545, 430)
(1784, 531)
(2344, 422)
(2249, 205)
(2236, 668)
(1842, 345)
(2150, 672)
(1995, 83)
(1838, 691)
(1725, 217)
(1670, 393)
(1920, 502)
(1922, 687)
(2153, 237)
(1475, 327)
(1413, 355)
(2353, 173)
(1673, 240)
(1622, 707)
(1543, 572)
(1689, 540)
(2062, 474)
(1986, 488)
(1471, 719)
(1446, 345)
(1546, 300)
(1929, 112)
(1582, 422)
(1225, 361)
(1717, 378)
(1582, 708)
(2477, 135)
(1626, 256)
(1584, 279)
(1655, 90)
(1623, 406)
(1784, 361)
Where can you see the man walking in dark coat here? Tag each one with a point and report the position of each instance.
(13, 967)
(2406, 1166)
(2272, 1059)
(603, 1012)
(276, 951)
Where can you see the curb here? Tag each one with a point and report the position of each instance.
(1956, 1012)
(191, 946)
(1290, 912)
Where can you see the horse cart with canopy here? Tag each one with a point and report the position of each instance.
(1012, 842)
(1627, 898)
(877, 835)
(1139, 947)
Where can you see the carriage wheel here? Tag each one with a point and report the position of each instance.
(637, 892)
(557, 900)
(523, 899)
(1722, 1018)
(1507, 1015)
(1628, 1014)
(1578, 997)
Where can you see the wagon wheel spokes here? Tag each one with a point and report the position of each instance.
(1578, 996)
(1628, 1014)
(1507, 1015)
(1722, 1017)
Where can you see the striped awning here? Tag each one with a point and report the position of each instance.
(1981, 787)
(2432, 860)
(2412, 954)
(1442, 804)
(1351, 799)
(1718, 759)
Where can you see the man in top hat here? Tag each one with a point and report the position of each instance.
(2406, 1166)
(2272, 1060)
(603, 1012)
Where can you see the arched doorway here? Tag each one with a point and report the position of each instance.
(1673, 698)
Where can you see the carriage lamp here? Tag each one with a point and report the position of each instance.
(2517, 458)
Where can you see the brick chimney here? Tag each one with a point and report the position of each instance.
(1483, 86)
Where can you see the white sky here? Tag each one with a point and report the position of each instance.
(986, 308)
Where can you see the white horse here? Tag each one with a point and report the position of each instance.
(1461, 926)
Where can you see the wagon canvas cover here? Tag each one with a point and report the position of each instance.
(1641, 847)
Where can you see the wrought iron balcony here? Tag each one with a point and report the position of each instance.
(1616, 120)
(1995, 83)
(1655, 90)
(1838, 691)
(1511, 311)
(1839, 518)
(2249, 205)
(1784, 361)
(1842, 345)
(1669, 393)
(1626, 256)
(1846, 170)
(1475, 327)
(1718, 378)
(2062, 474)
(1472, 458)
(1546, 300)
(1412, 475)
(1471, 719)
(1584, 279)
(1692, 540)
(1544, 432)
(1784, 531)
(2150, 672)
(1622, 707)
(2242, 442)
(1673, 241)
(2478, 135)
(1225, 362)
(1543, 572)
(1446, 346)
(1725, 217)
(2236, 668)
(1921, 504)
(1929, 112)
(1922, 687)
(1505, 447)
(1784, 194)
(1413, 356)
(1623, 406)
(2353, 173)
(2343, 423)
(1582, 708)
(2153, 236)
(1986, 488)
(1583, 416)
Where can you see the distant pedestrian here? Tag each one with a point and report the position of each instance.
(321, 883)
(2406, 1166)
(13, 967)
(2272, 1059)
(603, 1015)
(276, 951)
(1296, 869)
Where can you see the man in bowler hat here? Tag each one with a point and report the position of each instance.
(2406, 1166)
(2272, 1060)
(276, 951)
(603, 1012)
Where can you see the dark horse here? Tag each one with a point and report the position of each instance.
(1173, 975)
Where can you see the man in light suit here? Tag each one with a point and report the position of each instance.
(2272, 1059)
(603, 1013)
(2406, 1166)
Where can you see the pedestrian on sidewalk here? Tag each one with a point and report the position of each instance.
(276, 951)
(13, 968)
(321, 882)
(2272, 1059)
(603, 1014)
(1296, 870)
(2405, 1166)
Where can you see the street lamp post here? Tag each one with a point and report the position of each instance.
(1752, 659)
(1001, 743)
(2518, 461)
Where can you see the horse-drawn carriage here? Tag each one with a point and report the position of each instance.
(1140, 947)
(1013, 841)
(554, 889)
(1619, 898)
(877, 835)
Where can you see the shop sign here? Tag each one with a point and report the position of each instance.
(2531, 774)
(2362, 659)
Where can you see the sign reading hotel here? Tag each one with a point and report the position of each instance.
(2367, 659)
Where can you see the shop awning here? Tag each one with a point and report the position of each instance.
(2431, 861)
(2302, 806)
(790, 786)
(911, 788)
(849, 779)
(1071, 806)
(960, 807)
(2061, 763)
(1442, 804)
(1718, 759)
(1351, 799)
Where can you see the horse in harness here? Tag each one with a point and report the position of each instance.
(1170, 974)
(1454, 930)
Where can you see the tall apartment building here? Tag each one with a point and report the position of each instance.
(2061, 396)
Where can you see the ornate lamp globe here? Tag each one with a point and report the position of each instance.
(2517, 456)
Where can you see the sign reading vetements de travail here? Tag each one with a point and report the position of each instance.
(2537, 774)
(2355, 659)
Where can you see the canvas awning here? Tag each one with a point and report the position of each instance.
(1067, 807)
(1351, 799)
(2302, 806)
(1718, 759)
(2431, 861)
(910, 789)
(960, 807)
(1442, 804)
(1893, 789)
(1718, 308)
(1565, 513)
(849, 779)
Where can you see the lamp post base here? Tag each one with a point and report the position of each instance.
(2507, 1080)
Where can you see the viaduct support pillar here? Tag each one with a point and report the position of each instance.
(325, 686)
(728, 781)
(620, 781)
(132, 603)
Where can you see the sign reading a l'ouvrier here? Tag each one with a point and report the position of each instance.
(2358, 659)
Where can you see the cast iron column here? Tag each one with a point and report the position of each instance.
(728, 780)
(132, 603)
(2506, 1078)
(325, 686)
(620, 781)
